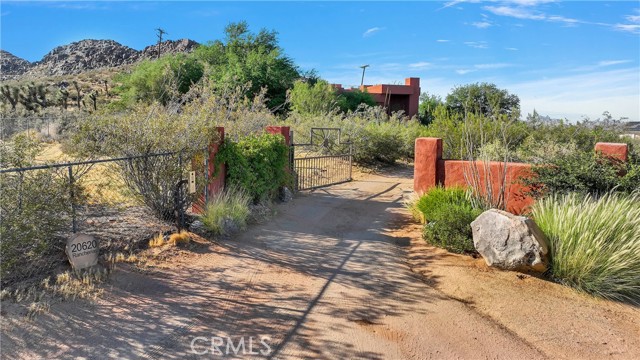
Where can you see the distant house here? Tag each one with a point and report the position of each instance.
(394, 97)
(632, 129)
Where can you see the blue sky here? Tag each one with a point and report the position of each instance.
(566, 59)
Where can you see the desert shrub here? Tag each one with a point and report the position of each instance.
(376, 137)
(584, 173)
(229, 206)
(147, 130)
(314, 99)
(256, 164)
(35, 210)
(594, 242)
(159, 80)
(377, 143)
(447, 214)
(353, 99)
(457, 132)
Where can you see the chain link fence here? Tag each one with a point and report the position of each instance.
(49, 126)
(123, 202)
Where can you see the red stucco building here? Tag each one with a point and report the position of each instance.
(395, 97)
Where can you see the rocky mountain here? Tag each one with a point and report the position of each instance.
(86, 55)
(12, 65)
(169, 47)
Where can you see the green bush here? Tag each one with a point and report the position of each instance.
(229, 206)
(583, 173)
(256, 164)
(447, 214)
(376, 137)
(35, 211)
(594, 242)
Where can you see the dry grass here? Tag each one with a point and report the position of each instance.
(157, 241)
(181, 238)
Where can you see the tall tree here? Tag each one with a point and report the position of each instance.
(427, 108)
(315, 99)
(244, 57)
(483, 99)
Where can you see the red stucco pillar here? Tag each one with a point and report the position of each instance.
(428, 152)
(613, 150)
(282, 130)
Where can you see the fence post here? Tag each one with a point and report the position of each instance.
(74, 226)
(213, 184)
(428, 151)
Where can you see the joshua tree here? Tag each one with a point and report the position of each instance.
(10, 94)
(33, 96)
(79, 97)
(94, 99)
(106, 87)
(64, 97)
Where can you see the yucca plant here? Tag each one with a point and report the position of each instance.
(594, 242)
(229, 207)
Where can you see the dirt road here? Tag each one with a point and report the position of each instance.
(325, 278)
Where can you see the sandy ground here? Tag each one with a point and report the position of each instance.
(340, 273)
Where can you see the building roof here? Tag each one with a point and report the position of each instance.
(632, 126)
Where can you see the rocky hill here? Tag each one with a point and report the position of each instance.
(169, 47)
(86, 55)
(12, 65)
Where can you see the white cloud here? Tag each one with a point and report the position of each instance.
(482, 24)
(464, 71)
(581, 95)
(372, 31)
(516, 12)
(633, 18)
(562, 19)
(529, 2)
(612, 62)
(492, 66)
(420, 65)
(632, 28)
(477, 44)
(442, 40)
(511, 49)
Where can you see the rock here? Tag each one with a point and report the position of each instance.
(285, 194)
(86, 55)
(11, 65)
(169, 47)
(510, 242)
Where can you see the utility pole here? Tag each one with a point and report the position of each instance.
(364, 68)
(160, 33)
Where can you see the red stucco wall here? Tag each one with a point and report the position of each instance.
(431, 170)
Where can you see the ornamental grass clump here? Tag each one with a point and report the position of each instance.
(594, 242)
(226, 210)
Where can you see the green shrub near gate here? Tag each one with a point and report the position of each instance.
(447, 215)
(256, 164)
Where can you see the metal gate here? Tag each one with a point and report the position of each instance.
(324, 160)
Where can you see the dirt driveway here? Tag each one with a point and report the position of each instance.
(328, 277)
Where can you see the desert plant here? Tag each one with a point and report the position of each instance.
(588, 173)
(257, 164)
(34, 212)
(447, 214)
(594, 242)
(180, 238)
(229, 208)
